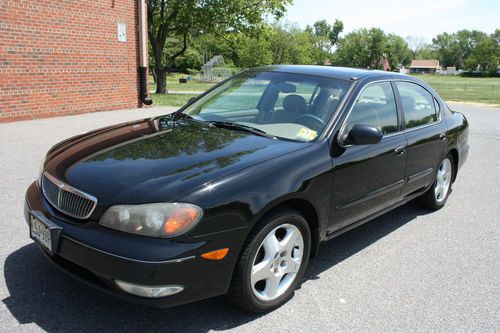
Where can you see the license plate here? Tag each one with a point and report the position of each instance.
(44, 232)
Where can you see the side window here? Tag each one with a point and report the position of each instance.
(376, 107)
(418, 104)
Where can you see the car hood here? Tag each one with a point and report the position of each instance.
(156, 160)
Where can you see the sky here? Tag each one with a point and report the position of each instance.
(423, 18)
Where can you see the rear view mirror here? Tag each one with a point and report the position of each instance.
(363, 135)
(286, 87)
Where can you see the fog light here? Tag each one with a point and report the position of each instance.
(149, 291)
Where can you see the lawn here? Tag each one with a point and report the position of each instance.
(465, 89)
(171, 99)
(173, 84)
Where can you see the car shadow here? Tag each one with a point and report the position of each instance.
(41, 294)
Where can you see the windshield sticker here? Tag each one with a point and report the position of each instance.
(306, 134)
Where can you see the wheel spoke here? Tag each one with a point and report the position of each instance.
(292, 266)
(289, 241)
(271, 245)
(272, 285)
(440, 174)
(261, 271)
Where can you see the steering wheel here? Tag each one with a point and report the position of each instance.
(311, 121)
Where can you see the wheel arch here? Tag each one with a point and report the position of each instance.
(306, 209)
(454, 153)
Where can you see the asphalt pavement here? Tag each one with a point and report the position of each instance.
(408, 270)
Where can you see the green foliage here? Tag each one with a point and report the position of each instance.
(425, 52)
(397, 51)
(367, 48)
(485, 56)
(468, 49)
(180, 20)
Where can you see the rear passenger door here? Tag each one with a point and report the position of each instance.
(425, 134)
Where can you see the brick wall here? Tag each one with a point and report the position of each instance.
(60, 57)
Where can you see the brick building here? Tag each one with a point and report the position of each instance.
(70, 57)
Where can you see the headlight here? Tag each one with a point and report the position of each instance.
(40, 170)
(154, 220)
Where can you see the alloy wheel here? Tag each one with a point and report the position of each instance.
(443, 180)
(277, 262)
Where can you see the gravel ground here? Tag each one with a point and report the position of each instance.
(409, 270)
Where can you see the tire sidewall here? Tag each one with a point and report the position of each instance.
(296, 220)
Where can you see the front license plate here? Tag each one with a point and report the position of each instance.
(44, 232)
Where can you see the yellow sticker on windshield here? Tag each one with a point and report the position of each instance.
(307, 134)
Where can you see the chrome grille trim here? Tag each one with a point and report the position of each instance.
(67, 199)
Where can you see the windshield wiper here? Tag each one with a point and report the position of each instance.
(240, 127)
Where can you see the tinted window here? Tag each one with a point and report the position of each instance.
(418, 104)
(376, 107)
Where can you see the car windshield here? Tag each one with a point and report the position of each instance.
(282, 105)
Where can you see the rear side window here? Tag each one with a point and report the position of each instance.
(376, 107)
(418, 104)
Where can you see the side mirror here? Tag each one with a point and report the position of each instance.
(363, 135)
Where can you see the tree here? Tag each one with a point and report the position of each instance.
(446, 48)
(362, 48)
(426, 52)
(466, 41)
(290, 45)
(182, 19)
(254, 51)
(354, 50)
(415, 43)
(325, 37)
(485, 56)
(397, 51)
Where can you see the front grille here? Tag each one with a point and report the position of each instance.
(67, 199)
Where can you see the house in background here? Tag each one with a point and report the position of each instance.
(68, 57)
(424, 67)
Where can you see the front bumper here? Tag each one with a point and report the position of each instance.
(140, 260)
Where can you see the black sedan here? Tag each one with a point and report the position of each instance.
(233, 193)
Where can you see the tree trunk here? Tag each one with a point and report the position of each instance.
(161, 80)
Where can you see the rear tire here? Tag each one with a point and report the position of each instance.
(272, 262)
(437, 195)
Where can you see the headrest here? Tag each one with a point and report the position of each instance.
(295, 103)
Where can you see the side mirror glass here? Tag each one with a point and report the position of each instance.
(363, 135)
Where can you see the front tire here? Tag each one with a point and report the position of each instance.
(437, 195)
(272, 263)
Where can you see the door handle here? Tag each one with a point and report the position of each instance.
(400, 150)
(442, 136)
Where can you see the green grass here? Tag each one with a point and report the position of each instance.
(171, 99)
(465, 89)
(173, 84)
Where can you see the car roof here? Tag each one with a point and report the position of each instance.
(333, 72)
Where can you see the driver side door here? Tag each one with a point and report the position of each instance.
(369, 178)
